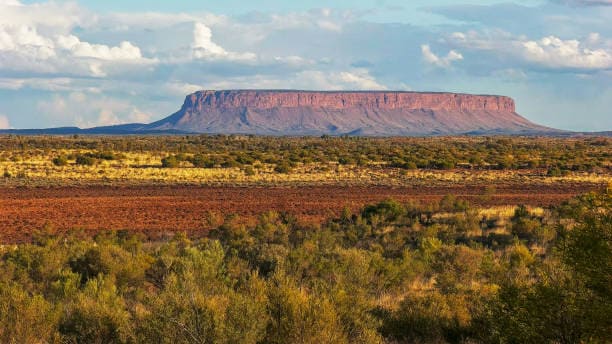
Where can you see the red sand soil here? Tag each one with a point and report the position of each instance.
(156, 209)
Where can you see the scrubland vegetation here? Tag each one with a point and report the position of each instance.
(391, 273)
(272, 160)
(438, 271)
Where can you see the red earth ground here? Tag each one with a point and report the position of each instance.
(156, 209)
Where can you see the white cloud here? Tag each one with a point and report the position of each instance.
(554, 52)
(593, 53)
(51, 16)
(4, 122)
(205, 48)
(37, 38)
(23, 49)
(359, 79)
(25, 41)
(202, 41)
(125, 51)
(15, 37)
(443, 62)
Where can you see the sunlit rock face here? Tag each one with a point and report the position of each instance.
(373, 113)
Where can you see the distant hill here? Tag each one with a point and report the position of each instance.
(363, 113)
(126, 129)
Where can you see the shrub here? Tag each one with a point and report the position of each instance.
(170, 162)
(523, 225)
(201, 161)
(283, 168)
(85, 160)
(105, 155)
(60, 161)
(98, 315)
(25, 318)
(230, 163)
(90, 265)
(389, 210)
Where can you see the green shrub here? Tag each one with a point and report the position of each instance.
(61, 160)
(170, 162)
(85, 160)
(201, 161)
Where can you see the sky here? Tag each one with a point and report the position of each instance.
(90, 63)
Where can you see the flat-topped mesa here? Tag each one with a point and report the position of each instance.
(339, 100)
(371, 113)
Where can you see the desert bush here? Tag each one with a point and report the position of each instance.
(61, 160)
(201, 161)
(524, 225)
(170, 162)
(283, 168)
(97, 315)
(25, 318)
(85, 160)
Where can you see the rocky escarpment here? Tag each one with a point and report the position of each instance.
(380, 113)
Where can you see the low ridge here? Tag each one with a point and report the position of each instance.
(374, 113)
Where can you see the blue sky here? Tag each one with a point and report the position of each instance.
(89, 63)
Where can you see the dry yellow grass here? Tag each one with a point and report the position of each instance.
(36, 167)
(507, 211)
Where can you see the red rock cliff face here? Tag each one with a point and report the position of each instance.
(373, 113)
(343, 100)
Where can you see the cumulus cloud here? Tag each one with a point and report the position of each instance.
(205, 48)
(23, 49)
(124, 52)
(37, 38)
(554, 52)
(51, 16)
(16, 37)
(551, 52)
(4, 122)
(443, 62)
(25, 42)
